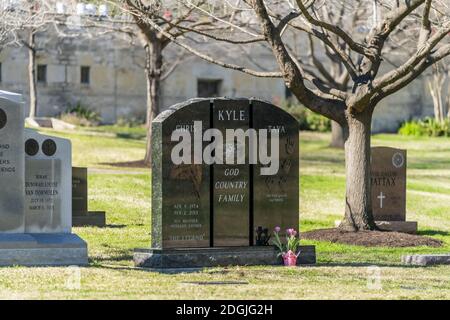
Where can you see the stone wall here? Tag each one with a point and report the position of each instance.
(117, 86)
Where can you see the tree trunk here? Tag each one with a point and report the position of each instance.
(153, 69)
(436, 88)
(358, 207)
(32, 75)
(339, 135)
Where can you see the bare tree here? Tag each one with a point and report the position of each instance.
(14, 18)
(23, 18)
(174, 20)
(436, 84)
(330, 67)
(62, 18)
(425, 21)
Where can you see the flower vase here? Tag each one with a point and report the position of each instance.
(290, 259)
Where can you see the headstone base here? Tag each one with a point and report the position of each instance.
(426, 260)
(28, 249)
(398, 226)
(216, 257)
(89, 219)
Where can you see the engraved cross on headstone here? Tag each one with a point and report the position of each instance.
(381, 197)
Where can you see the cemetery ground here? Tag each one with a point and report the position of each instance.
(342, 271)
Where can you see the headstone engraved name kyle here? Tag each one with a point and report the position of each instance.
(206, 214)
(388, 182)
(35, 194)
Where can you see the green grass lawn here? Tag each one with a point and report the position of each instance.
(342, 270)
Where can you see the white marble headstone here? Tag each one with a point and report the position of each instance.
(11, 163)
(48, 184)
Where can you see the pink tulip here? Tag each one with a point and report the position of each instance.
(277, 229)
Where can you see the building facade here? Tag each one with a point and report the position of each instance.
(106, 74)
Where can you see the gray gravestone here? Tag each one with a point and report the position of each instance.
(388, 185)
(388, 181)
(35, 195)
(198, 206)
(11, 163)
(48, 184)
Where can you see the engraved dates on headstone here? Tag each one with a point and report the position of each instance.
(180, 193)
(43, 195)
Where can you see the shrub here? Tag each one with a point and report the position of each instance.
(307, 119)
(81, 115)
(427, 127)
(130, 122)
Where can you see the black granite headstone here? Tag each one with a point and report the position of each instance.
(180, 193)
(81, 216)
(231, 181)
(79, 190)
(276, 197)
(199, 205)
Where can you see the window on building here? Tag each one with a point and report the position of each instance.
(42, 73)
(85, 75)
(208, 88)
(287, 93)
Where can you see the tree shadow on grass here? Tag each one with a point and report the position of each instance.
(115, 226)
(361, 265)
(131, 136)
(128, 164)
(323, 159)
(117, 256)
(107, 226)
(433, 233)
(429, 164)
(106, 266)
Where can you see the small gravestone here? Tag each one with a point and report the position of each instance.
(388, 183)
(48, 178)
(81, 216)
(35, 195)
(212, 208)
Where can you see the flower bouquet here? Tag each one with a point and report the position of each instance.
(289, 250)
